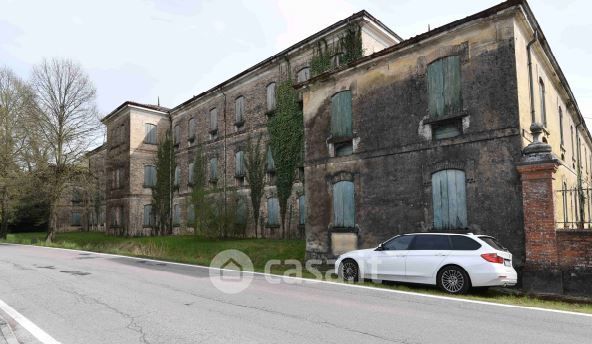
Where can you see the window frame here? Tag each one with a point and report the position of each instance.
(271, 105)
(239, 111)
(150, 134)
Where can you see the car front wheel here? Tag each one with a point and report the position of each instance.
(349, 271)
(454, 280)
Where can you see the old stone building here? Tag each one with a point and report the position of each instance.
(427, 135)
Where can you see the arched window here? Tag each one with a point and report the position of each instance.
(191, 129)
(191, 165)
(213, 169)
(343, 204)
(177, 180)
(273, 212)
(176, 134)
(449, 199)
(149, 176)
(213, 121)
(239, 164)
(239, 111)
(270, 92)
(150, 133)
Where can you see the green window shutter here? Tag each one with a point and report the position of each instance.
(452, 87)
(343, 204)
(177, 176)
(341, 114)
(150, 134)
(270, 162)
(436, 89)
(148, 215)
(191, 173)
(190, 214)
(239, 164)
(241, 212)
(76, 219)
(213, 119)
(213, 168)
(449, 199)
(239, 108)
(147, 175)
(301, 210)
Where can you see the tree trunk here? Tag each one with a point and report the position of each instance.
(4, 215)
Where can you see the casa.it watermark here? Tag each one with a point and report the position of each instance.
(231, 271)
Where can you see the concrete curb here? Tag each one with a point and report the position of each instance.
(6, 334)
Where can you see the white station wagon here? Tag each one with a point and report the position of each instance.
(453, 262)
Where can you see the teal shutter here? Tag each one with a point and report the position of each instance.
(213, 168)
(449, 199)
(343, 204)
(341, 114)
(190, 214)
(147, 176)
(241, 212)
(148, 215)
(150, 134)
(444, 87)
(191, 173)
(76, 219)
(302, 210)
(239, 164)
(270, 162)
(177, 175)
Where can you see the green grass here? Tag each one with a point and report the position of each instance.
(197, 250)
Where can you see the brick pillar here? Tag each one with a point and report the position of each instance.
(537, 169)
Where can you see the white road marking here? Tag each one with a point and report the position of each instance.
(28, 325)
(309, 280)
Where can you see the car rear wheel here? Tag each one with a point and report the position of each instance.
(349, 270)
(454, 280)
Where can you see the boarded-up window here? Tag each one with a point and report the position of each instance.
(213, 169)
(191, 129)
(542, 100)
(273, 211)
(239, 110)
(149, 176)
(148, 216)
(177, 180)
(241, 211)
(190, 173)
(301, 210)
(239, 164)
(341, 114)
(449, 199)
(150, 134)
(343, 204)
(76, 219)
(444, 87)
(270, 163)
(303, 74)
(271, 96)
(176, 214)
(213, 119)
(176, 134)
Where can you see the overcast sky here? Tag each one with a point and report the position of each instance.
(143, 49)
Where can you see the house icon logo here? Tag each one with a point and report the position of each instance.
(231, 271)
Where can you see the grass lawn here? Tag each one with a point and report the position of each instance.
(197, 250)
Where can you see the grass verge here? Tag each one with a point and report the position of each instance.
(197, 250)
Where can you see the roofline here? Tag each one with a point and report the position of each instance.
(452, 25)
(357, 15)
(134, 104)
(95, 150)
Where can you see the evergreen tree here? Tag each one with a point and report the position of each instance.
(255, 166)
(162, 192)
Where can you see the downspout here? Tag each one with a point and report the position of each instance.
(530, 81)
(171, 187)
(581, 197)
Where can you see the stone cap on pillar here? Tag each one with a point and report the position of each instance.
(538, 152)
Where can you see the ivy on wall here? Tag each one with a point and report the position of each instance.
(348, 47)
(286, 133)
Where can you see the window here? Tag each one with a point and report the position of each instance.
(343, 149)
(430, 242)
(241, 211)
(191, 173)
(463, 243)
(116, 219)
(149, 176)
(213, 169)
(177, 179)
(491, 241)
(446, 129)
(76, 219)
(444, 87)
(449, 199)
(191, 129)
(301, 210)
(239, 164)
(542, 100)
(343, 204)
(561, 125)
(273, 212)
(398, 243)
(336, 59)
(117, 178)
(150, 134)
(270, 91)
(213, 121)
(76, 196)
(148, 216)
(176, 135)
(303, 75)
(176, 214)
(341, 114)
(270, 163)
(239, 111)
(191, 215)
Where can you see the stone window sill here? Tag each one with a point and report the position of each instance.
(445, 118)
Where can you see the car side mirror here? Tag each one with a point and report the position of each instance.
(380, 247)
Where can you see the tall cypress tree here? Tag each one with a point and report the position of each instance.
(163, 190)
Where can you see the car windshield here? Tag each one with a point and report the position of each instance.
(493, 243)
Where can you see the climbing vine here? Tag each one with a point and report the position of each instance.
(348, 47)
(286, 133)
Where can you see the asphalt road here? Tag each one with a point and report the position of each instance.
(77, 297)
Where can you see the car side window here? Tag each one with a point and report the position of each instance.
(463, 243)
(399, 243)
(431, 242)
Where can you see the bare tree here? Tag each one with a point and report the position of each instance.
(15, 107)
(67, 121)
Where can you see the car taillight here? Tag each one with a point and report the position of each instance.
(493, 258)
